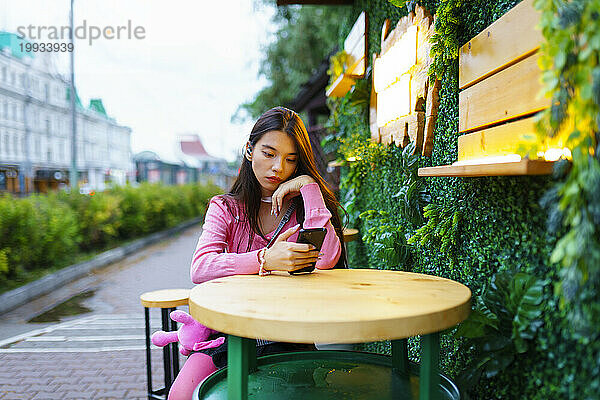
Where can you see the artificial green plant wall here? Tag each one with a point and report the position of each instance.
(489, 233)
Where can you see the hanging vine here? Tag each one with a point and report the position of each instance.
(571, 73)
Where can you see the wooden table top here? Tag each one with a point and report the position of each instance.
(330, 306)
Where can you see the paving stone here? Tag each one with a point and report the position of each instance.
(32, 380)
(16, 396)
(102, 374)
(77, 395)
(110, 394)
(48, 396)
(7, 387)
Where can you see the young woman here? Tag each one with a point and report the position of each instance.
(278, 172)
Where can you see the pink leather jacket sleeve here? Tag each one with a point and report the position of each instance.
(316, 215)
(211, 260)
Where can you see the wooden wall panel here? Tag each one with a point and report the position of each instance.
(497, 141)
(513, 92)
(508, 40)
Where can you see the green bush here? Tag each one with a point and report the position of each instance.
(40, 232)
(35, 232)
(99, 218)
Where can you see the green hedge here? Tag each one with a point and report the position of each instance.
(471, 229)
(46, 231)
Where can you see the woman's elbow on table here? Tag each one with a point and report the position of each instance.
(203, 269)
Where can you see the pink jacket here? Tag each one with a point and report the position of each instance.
(221, 248)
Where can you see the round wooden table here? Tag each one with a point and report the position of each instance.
(334, 306)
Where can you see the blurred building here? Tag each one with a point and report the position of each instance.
(188, 162)
(154, 168)
(35, 128)
(210, 168)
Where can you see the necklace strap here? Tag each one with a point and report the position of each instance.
(284, 220)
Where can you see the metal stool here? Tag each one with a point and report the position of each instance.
(350, 234)
(167, 300)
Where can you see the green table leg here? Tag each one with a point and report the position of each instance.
(429, 386)
(241, 358)
(400, 356)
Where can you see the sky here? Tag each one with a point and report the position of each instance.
(197, 62)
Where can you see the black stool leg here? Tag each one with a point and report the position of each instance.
(166, 353)
(174, 349)
(148, 362)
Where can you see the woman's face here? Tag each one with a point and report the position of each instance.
(274, 160)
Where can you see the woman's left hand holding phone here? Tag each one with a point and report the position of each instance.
(289, 256)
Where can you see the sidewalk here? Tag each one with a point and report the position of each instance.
(100, 354)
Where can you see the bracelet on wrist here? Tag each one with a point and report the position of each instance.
(261, 261)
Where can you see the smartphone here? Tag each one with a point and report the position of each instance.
(314, 236)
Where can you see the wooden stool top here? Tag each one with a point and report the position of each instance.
(350, 234)
(333, 306)
(166, 298)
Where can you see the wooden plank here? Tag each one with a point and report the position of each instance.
(340, 87)
(404, 130)
(431, 111)
(375, 135)
(497, 141)
(509, 94)
(416, 127)
(355, 46)
(356, 70)
(357, 33)
(509, 39)
(523, 167)
(397, 32)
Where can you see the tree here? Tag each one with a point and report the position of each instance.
(305, 35)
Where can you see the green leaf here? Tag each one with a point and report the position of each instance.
(475, 325)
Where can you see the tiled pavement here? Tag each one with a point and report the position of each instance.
(98, 355)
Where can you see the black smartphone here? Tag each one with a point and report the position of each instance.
(314, 236)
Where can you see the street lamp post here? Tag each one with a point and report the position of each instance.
(73, 172)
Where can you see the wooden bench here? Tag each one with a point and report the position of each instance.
(500, 86)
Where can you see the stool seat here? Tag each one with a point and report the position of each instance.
(350, 234)
(166, 298)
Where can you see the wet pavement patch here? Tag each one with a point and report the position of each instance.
(67, 308)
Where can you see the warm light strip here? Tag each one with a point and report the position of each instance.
(490, 160)
(396, 61)
(555, 154)
(394, 101)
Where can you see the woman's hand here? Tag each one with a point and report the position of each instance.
(292, 186)
(289, 256)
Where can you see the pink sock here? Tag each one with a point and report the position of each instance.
(197, 367)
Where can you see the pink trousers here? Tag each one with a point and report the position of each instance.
(197, 367)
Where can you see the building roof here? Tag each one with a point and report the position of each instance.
(191, 145)
(11, 42)
(77, 99)
(96, 105)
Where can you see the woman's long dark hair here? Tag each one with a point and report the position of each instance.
(247, 190)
